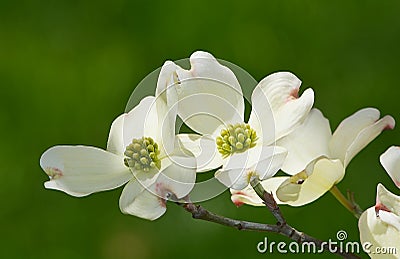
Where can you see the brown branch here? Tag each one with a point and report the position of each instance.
(201, 213)
(281, 227)
(270, 203)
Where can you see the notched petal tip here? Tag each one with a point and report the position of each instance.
(142, 202)
(356, 131)
(308, 95)
(390, 122)
(280, 92)
(236, 200)
(53, 172)
(201, 54)
(380, 207)
(294, 94)
(246, 196)
(236, 197)
(285, 76)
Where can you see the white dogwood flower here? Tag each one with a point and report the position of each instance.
(142, 151)
(211, 103)
(380, 225)
(317, 158)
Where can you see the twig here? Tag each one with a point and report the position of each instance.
(296, 235)
(198, 212)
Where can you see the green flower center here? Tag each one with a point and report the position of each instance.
(142, 154)
(236, 138)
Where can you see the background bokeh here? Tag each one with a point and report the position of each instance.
(67, 69)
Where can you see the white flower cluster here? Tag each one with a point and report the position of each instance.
(284, 132)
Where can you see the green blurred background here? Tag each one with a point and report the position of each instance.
(67, 69)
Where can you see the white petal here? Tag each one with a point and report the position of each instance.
(262, 119)
(251, 157)
(322, 175)
(204, 149)
(243, 159)
(376, 234)
(142, 121)
(367, 135)
(81, 170)
(138, 201)
(151, 118)
(167, 78)
(246, 196)
(209, 94)
(166, 126)
(261, 161)
(250, 197)
(179, 177)
(306, 143)
(348, 130)
(167, 104)
(390, 160)
(115, 142)
(237, 178)
(280, 87)
(270, 161)
(293, 113)
(356, 132)
(235, 174)
(146, 179)
(390, 219)
(281, 90)
(148, 201)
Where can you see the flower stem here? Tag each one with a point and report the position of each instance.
(350, 205)
(268, 200)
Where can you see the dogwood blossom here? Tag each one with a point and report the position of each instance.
(211, 103)
(380, 225)
(317, 158)
(142, 151)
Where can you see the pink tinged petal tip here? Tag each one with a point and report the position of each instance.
(379, 206)
(238, 203)
(294, 94)
(164, 193)
(163, 202)
(53, 173)
(390, 122)
(236, 200)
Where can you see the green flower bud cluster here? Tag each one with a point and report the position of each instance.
(142, 154)
(236, 138)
